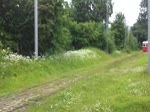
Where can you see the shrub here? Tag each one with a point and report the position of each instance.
(131, 43)
(88, 34)
(111, 43)
(3, 52)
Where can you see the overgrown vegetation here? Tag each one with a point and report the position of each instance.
(122, 85)
(18, 72)
(140, 28)
(62, 26)
(114, 83)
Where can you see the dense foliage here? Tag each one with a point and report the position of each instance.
(17, 26)
(118, 28)
(62, 26)
(123, 39)
(139, 29)
(88, 34)
(90, 10)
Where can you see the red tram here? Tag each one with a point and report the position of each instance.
(145, 46)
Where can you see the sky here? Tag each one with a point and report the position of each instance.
(130, 8)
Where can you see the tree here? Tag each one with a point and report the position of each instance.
(139, 29)
(17, 26)
(88, 34)
(16, 18)
(90, 10)
(118, 30)
(131, 42)
(53, 33)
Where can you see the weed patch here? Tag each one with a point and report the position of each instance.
(125, 89)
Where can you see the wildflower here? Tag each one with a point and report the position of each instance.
(16, 57)
(82, 54)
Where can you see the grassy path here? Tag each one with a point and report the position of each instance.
(104, 72)
(120, 85)
(19, 101)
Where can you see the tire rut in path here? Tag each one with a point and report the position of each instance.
(19, 102)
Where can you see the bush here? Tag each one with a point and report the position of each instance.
(2, 63)
(3, 52)
(131, 43)
(111, 45)
(88, 34)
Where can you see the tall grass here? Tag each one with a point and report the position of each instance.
(19, 75)
(121, 86)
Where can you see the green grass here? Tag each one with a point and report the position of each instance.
(116, 83)
(21, 75)
(122, 85)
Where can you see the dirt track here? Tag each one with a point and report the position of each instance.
(19, 102)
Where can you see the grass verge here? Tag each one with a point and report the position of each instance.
(20, 75)
(121, 85)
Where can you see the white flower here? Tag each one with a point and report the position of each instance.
(16, 57)
(82, 54)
